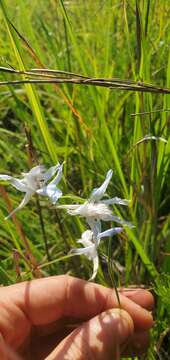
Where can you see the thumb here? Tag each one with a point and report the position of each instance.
(6, 353)
(102, 337)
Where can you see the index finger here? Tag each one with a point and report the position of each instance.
(49, 299)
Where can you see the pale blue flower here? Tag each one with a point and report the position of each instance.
(51, 189)
(90, 239)
(36, 181)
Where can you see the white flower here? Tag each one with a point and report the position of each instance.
(51, 189)
(35, 181)
(95, 208)
(90, 239)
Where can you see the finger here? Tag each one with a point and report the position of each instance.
(42, 345)
(138, 345)
(99, 338)
(46, 300)
(141, 297)
(6, 353)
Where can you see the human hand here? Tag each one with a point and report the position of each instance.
(62, 317)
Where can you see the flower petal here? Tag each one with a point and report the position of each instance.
(75, 209)
(50, 172)
(36, 170)
(51, 191)
(58, 177)
(121, 221)
(34, 179)
(98, 193)
(110, 232)
(85, 251)
(87, 236)
(5, 177)
(116, 200)
(22, 204)
(95, 225)
(18, 184)
(54, 195)
(96, 211)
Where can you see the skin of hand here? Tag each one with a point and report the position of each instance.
(63, 317)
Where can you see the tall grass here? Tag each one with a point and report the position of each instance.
(92, 129)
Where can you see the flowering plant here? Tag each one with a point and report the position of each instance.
(94, 210)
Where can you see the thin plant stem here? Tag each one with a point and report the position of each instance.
(110, 269)
(43, 228)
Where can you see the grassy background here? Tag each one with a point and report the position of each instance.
(92, 129)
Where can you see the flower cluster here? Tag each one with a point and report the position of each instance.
(94, 210)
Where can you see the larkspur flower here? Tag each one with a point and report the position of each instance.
(51, 189)
(36, 181)
(90, 239)
(97, 209)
